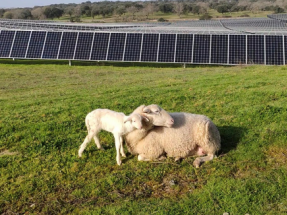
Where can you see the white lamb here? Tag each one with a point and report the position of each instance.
(117, 123)
(191, 135)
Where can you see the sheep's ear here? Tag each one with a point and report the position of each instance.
(146, 110)
(128, 118)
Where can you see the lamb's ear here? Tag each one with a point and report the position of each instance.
(146, 110)
(127, 118)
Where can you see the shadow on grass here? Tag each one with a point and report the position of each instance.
(230, 137)
(101, 63)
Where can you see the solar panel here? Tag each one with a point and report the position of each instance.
(36, 44)
(68, 45)
(201, 51)
(166, 48)
(237, 49)
(20, 44)
(274, 50)
(100, 46)
(255, 49)
(52, 45)
(84, 45)
(219, 49)
(149, 47)
(133, 47)
(6, 41)
(184, 48)
(116, 47)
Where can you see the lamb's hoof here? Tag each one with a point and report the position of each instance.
(119, 162)
(124, 155)
(177, 159)
(196, 163)
(102, 149)
(140, 158)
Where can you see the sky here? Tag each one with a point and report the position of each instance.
(32, 3)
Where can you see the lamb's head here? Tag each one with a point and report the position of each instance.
(157, 115)
(136, 120)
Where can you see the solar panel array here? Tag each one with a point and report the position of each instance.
(227, 42)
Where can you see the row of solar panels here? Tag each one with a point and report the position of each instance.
(141, 47)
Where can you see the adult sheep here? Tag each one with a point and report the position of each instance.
(191, 135)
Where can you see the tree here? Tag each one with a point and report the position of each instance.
(222, 8)
(148, 9)
(69, 10)
(86, 10)
(8, 15)
(133, 10)
(179, 8)
(166, 7)
(2, 11)
(38, 13)
(53, 12)
(120, 10)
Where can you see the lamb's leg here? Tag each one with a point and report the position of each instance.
(141, 157)
(118, 146)
(97, 141)
(122, 147)
(85, 143)
(198, 161)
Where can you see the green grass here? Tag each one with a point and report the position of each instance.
(42, 111)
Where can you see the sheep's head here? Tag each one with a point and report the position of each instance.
(157, 115)
(136, 120)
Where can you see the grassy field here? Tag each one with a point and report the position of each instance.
(171, 17)
(42, 111)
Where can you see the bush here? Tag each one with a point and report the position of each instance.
(205, 17)
(162, 20)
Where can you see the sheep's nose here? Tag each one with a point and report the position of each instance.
(172, 121)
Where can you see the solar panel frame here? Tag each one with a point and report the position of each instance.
(133, 47)
(36, 45)
(52, 45)
(84, 46)
(7, 38)
(68, 46)
(149, 53)
(100, 46)
(20, 44)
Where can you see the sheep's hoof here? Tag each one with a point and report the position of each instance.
(124, 155)
(119, 162)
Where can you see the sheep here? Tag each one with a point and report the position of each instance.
(111, 121)
(191, 135)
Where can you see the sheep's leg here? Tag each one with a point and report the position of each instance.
(118, 147)
(122, 147)
(198, 161)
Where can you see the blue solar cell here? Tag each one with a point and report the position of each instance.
(68, 45)
(116, 46)
(6, 41)
(166, 48)
(201, 48)
(274, 50)
(52, 45)
(255, 49)
(184, 48)
(149, 47)
(133, 47)
(84, 45)
(36, 44)
(219, 49)
(100, 46)
(20, 44)
(237, 49)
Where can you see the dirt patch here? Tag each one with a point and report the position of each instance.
(7, 152)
